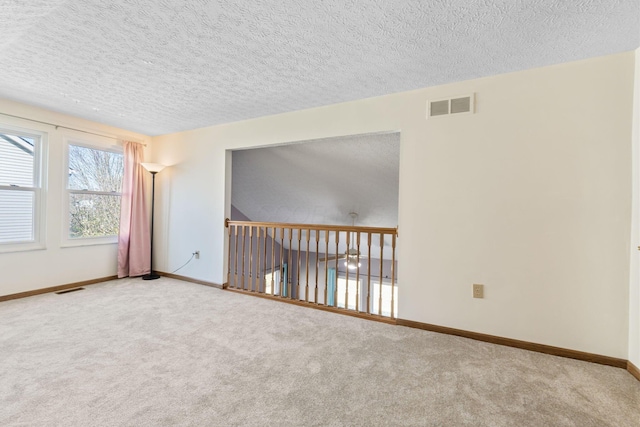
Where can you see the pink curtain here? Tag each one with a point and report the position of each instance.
(134, 238)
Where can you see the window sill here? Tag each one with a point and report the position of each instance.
(89, 242)
(21, 247)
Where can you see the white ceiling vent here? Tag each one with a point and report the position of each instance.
(445, 107)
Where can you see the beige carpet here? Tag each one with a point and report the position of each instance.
(166, 352)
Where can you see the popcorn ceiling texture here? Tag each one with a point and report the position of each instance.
(158, 67)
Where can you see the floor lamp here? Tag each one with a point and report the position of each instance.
(154, 168)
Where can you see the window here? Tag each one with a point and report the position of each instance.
(93, 185)
(353, 285)
(275, 276)
(386, 297)
(20, 189)
(374, 300)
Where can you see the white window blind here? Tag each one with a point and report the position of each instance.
(18, 187)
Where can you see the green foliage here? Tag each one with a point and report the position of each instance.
(93, 216)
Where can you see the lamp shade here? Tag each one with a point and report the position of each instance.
(153, 167)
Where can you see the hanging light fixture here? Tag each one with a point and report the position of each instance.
(352, 264)
(351, 261)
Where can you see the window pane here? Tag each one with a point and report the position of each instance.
(342, 283)
(16, 216)
(92, 215)
(275, 276)
(16, 160)
(94, 170)
(386, 298)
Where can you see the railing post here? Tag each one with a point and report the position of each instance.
(226, 223)
(346, 273)
(289, 258)
(369, 272)
(358, 272)
(273, 259)
(306, 289)
(250, 287)
(381, 272)
(244, 231)
(315, 299)
(335, 288)
(326, 265)
(281, 275)
(264, 269)
(298, 266)
(235, 264)
(393, 273)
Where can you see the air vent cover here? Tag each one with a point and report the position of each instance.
(439, 108)
(445, 107)
(69, 290)
(461, 105)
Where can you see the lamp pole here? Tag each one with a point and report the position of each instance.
(152, 275)
(153, 168)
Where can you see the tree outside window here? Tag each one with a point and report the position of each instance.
(95, 183)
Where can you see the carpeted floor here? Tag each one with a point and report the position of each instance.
(166, 352)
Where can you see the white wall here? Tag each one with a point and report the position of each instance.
(530, 196)
(634, 282)
(56, 265)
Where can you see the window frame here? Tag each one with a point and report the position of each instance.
(67, 241)
(40, 154)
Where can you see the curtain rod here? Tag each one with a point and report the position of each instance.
(70, 128)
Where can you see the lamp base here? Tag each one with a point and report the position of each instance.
(151, 276)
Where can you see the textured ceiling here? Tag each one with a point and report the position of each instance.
(320, 181)
(163, 66)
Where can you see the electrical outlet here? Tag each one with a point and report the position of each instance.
(478, 291)
(197, 254)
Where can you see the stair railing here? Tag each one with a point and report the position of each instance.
(343, 267)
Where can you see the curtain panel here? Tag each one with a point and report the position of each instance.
(134, 239)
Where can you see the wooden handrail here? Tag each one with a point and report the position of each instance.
(315, 227)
